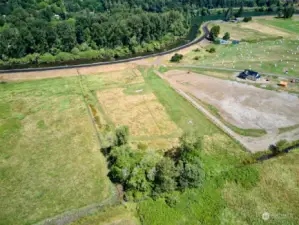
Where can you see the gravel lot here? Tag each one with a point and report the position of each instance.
(240, 104)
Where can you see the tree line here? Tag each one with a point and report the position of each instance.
(104, 36)
(145, 173)
(36, 31)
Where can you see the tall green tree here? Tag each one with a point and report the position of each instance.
(166, 176)
(240, 12)
(288, 11)
(122, 135)
(214, 32)
(190, 165)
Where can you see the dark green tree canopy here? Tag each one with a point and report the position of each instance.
(37, 31)
(214, 32)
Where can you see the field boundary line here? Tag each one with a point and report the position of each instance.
(75, 214)
(91, 117)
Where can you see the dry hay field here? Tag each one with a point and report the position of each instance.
(143, 113)
(125, 99)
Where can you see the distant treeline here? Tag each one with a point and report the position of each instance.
(36, 31)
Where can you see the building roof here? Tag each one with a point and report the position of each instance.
(251, 73)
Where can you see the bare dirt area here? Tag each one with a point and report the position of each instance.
(143, 113)
(64, 72)
(243, 105)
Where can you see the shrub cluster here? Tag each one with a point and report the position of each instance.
(211, 50)
(151, 174)
(247, 19)
(176, 57)
(283, 145)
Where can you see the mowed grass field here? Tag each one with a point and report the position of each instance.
(270, 45)
(50, 159)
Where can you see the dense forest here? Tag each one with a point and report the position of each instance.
(46, 31)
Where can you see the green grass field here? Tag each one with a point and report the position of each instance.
(179, 109)
(118, 215)
(50, 160)
(265, 54)
(229, 185)
(270, 187)
(290, 25)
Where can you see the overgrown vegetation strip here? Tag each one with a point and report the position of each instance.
(92, 119)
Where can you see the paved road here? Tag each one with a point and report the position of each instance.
(237, 70)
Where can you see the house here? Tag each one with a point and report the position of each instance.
(250, 75)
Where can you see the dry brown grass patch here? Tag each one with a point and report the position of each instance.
(142, 113)
(264, 29)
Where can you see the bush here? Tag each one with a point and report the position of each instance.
(122, 135)
(142, 146)
(217, 41)
(279, 147)
(215, 31)
(176, 58)
(247, 176)
(211, 50)
(75, 51)
(64, 56)
(196, 58)
(196, 50)
(282, 144)
(172, 199)
(226, 36)
(247, 19)
(46, 58)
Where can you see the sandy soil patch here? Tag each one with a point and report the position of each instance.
(105, 68)
(264, 29)
(243, 105)
(142, 113)
(38, 75)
